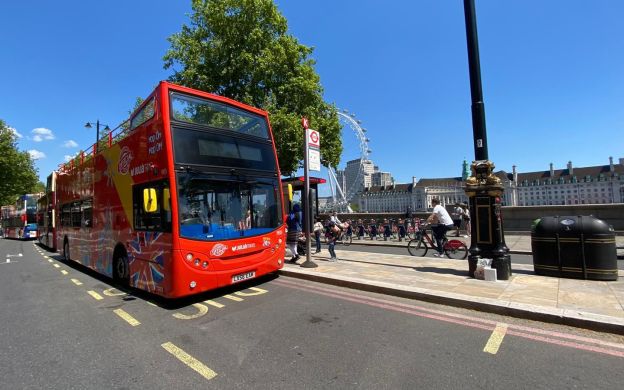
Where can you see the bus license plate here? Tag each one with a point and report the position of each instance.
(245, 276)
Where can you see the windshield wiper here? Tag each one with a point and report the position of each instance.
(189, 169)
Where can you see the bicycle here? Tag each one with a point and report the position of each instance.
(344, 238)
(346, 235)
(453, 249)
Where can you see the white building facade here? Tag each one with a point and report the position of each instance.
(584, 185)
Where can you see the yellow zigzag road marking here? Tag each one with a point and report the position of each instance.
(95, 295)
(496, 339)
(190, 361)
(126, 317)
(201, 311)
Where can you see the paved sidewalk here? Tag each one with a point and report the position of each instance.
(589, 304)
(517, 244)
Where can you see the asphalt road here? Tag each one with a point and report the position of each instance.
(63, 327)
(394, 250)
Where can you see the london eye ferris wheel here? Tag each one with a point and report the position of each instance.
(344, 191)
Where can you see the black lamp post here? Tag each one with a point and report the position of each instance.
(88, 125)
(483, 188)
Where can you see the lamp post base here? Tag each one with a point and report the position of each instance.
(309, 264)
(487, 239)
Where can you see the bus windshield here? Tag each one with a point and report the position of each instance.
(198, 147)
(191, 109)
(216, 209)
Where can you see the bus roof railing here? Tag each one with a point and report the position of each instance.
(105, 142)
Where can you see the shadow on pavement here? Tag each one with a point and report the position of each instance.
(164, 303)
(445, 271)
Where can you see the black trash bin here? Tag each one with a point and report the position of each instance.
(580, 247)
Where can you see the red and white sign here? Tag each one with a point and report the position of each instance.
(218, 250)
(305, 123)
(124, 160)
(313, 137)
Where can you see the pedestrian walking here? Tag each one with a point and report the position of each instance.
(293, 222)
(360, 229)
(457, 214)
(387, 232)
(332, 236)
(318, 230)
(467, 225)
(373, 229)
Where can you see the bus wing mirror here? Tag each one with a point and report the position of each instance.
(149, 200)
(166, 199)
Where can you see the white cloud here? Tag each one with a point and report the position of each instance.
(36, 155)
(67, 158)
(42, 134)
(70, 144)
(17, 134)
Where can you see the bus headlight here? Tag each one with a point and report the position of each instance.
(205, 264)
(189, 257)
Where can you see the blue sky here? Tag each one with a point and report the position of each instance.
(553, 75)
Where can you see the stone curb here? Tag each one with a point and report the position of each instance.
(579, 319)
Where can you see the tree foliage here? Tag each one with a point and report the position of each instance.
(17, 171)
(240, 49)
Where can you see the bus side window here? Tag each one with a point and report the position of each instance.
(66, 215)
(87, 212)
(151, 210)
(76, 214)
(166, 207)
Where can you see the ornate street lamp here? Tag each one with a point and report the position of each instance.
(483, 188)
(88, 125)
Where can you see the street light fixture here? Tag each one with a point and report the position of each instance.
(483, 188)
(88, 125)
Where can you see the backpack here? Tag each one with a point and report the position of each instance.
(292, 221)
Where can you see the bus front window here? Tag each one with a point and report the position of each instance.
(216, 210)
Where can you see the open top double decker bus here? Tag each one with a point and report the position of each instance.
(183, 199)
(20, 220)
(46, 214)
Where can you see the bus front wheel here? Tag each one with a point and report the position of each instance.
(120, 269)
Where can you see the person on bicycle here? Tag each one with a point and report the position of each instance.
(441, 222)
(335, 220)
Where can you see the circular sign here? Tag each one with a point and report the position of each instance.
(314, 137)
(304, 123)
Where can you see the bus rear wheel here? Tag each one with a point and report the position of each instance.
(66, 250)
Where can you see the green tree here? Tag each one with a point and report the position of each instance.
(17, 171)
(39, 187)
(240, 49)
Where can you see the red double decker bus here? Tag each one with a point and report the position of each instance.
(184, 199)
(46, 214)
(20, 220)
